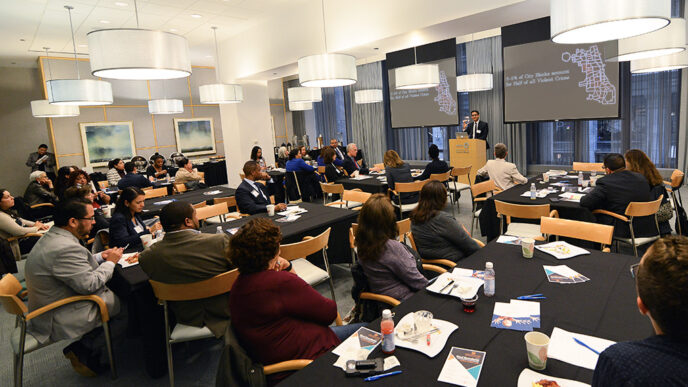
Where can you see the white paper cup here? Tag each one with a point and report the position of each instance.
(545, 177)
(527, 247)
(271, 209)
(146, 239)
(536, 349)
(106, 211)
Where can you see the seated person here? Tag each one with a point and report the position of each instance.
(62, 180)
(79, 178)
(661, 280)
(309, 182)
(614, 191)
(351, 164)
(282, 157)
(276, 315)
(339, 150)
(397, 171)
(126, 225)
(157, 169)
(391, 270)
(332, 173)
(132, 178)
(186, 173)
(321, 158)
(12, 225)
(637, 161)
(84, 192)
(437, 234)
(257, 156)
(435, 166)
(39, 190)
(252, 197)
(115, 171)
(186, 255)
(504, 174)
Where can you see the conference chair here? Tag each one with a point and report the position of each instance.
(352, 199)
(330, 189)
(321, 170)
(202, 175)
(636, 209)
(588, 167)
(230, 200)
(297, 252)
(156, 193)
(42, 210)
(523, 230)
(200, 204)
(673, 189)
(219, 284)
(216, 211)
(146, 189)
(593, 232)
(23, 342)
(400, 188)
(455, 186)
(293, 188)
(180, 188)
(476, 190)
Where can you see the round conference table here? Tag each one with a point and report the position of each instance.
(604, 307)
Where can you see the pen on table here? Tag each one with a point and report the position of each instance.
(451, 281)
(376, 377)
(537, 296)
(585, 345)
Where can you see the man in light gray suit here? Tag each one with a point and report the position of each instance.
(59, 267)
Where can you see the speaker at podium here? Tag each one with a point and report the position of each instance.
(464, 151)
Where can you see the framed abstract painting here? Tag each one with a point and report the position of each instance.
(195, 136)
(104, 141)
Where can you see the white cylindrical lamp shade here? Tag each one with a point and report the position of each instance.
(298, 106)
(368, 96)
(43, 108)
(669, 40)
(592, 21)
(165, 106)
(86, 92)
(327, 70)
(417, 76)
(304, 94)
(660, 63)
(474, 82)
(130, 53)
(221, 93)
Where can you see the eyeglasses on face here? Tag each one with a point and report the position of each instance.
(634, 270)
(91, 219)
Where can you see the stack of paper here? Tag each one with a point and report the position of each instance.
(582, 353)
(562, 250)
(509, 240)
(563, 274)
(571, 196)
(462, 367)
(357, 347)
(49, 224)
(517, 315)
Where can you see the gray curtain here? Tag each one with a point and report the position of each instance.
(485, 56)
(411, 143)
(298, 117)
(326, 116)
(368, 120)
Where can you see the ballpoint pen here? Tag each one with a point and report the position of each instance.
(451, 281)
(585, 345)
(376, 377)
(537, 296)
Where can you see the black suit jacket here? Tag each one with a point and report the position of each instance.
(133, 180)
(480, 133)
(350, 166)
(343, 152)
(332, 173)
(613, 193)
(435, 166)
(249, 201)
(122, 232)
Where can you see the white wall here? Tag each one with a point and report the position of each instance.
(244, 125)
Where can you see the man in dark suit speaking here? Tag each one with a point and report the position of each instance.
(253, 197)
(477, 129)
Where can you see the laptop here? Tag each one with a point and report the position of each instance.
(462, 135)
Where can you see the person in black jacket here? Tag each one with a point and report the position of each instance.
(477, 129)
(614, 191)
(332, 173)
(251, 197)
(132, 178)
(397, 171)
(126, 224)
(351, 164)
(435, 166)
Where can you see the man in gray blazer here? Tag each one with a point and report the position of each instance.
(59, 267)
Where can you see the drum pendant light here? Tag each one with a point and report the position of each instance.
(592, 21)
(298, 106)
(368, 96)
(668, 40)
(138, 54)
(417, 75)
(78, 91)
(43, 109)
(164, 105)
(327, 70)
(469, 83)
(219, 92)
(304, 94)
(660, 63)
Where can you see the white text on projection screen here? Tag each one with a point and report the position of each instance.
(547, 81)
(434, 106)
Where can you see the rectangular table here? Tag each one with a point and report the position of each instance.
(371, 185)
(604, 306)
(151, 208)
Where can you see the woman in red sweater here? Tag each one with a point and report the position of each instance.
(275, 314)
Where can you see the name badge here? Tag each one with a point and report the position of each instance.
(254, 193)
(138, 228)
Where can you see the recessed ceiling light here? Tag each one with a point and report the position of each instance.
(196, 16)
(105, 21)
(121, 4)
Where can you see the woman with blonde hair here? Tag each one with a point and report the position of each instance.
(637, 161)
(398, 171)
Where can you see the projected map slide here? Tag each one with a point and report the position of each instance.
(548, 81)
(426, 107)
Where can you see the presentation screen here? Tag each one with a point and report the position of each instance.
(544, 81)
(437, 106)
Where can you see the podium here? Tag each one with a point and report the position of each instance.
(464, 152)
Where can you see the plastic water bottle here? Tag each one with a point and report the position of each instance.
(219, 230)
(580, 178)
(489, 287)
(387, 330)
(533, 191)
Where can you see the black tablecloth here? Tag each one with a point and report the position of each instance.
(312, 223)
(215, 172)
(372, 185)
(152, 209)
(489, 222)
(604, 307)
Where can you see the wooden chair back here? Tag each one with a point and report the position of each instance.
(220, 284)
(462, 174)
(599, 233)
(200, 204)
(644, 208)
(588, 167)
(321, 169)
(103, 184)
(441, 177)
(156, 193)
(202, 175)
(404, 227)
(9, 289)
(350, 195)
(230, 200)
(379, 166)
(415, 186)
(484, 187)
(180, 187)
(332, 188)
(306, 247)
(210, 211)
(521, 211)
(146, 189)
(676, 179)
